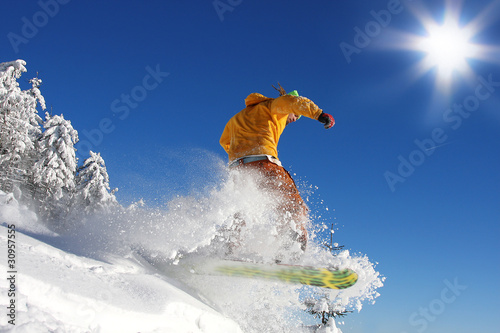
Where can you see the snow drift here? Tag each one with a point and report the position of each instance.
(90, 278)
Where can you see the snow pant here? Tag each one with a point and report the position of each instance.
(291, 206)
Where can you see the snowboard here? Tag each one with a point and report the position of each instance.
(306, 275)
(329, 278)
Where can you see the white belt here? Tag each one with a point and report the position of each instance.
(253, 158)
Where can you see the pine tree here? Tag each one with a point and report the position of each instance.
(93, 185)
(19, 124)
(321, 306)
(54, 171)
(40, 163)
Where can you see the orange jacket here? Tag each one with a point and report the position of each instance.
(256, 129)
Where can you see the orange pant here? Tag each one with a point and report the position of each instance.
(292, 207)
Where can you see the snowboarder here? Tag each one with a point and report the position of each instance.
(250, 139)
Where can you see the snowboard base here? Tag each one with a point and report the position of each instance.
(311, 276)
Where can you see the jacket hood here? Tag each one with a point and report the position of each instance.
(255, 98)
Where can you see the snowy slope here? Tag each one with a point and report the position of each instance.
(88, 279)
(57, 291)
(62, 292)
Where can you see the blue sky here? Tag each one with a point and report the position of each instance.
(409, 172)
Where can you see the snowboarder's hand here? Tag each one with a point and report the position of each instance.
(326, 119)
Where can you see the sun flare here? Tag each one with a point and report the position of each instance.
(447, 43)
(447, 48)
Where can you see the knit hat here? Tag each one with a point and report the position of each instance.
(296, 94)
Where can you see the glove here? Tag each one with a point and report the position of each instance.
(326, 119)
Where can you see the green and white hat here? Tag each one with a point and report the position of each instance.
(296, 94)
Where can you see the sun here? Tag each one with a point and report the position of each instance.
(447, 47)
(447, 43)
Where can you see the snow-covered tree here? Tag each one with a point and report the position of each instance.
(57, 164)
(54, 171)
(93, 188)
(41, 163)
(322, 307)
(19, 123)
